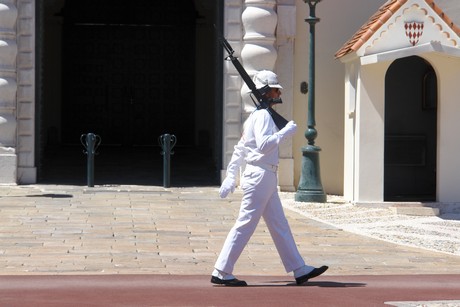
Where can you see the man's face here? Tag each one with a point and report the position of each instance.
(273, 93)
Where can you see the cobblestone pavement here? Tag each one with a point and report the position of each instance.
(58, 229)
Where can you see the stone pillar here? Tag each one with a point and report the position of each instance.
(27, 172)
(266, 49)
(250, 28)
(232, 110)
(259, 23)
(8, 92)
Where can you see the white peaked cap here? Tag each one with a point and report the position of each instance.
(266, 77)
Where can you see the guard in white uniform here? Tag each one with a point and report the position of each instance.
(258, 147)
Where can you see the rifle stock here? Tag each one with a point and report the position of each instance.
(259, 94)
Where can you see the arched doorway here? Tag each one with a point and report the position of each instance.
(129, 72)
(410, 131)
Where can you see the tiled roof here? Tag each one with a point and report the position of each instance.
(379, 18)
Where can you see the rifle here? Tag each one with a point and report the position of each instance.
(262, 101)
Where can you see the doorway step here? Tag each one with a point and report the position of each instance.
(414, 209)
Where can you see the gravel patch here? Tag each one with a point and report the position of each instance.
(435, 233)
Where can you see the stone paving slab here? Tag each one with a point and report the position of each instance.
(58, 229)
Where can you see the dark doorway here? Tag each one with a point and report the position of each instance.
(128, 73)
(124, 74)
(410, 131)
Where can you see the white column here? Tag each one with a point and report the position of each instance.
(351, 95)
(8, 90)
(285, 35)
(370, 134)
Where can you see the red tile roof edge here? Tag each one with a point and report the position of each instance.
(378, 19)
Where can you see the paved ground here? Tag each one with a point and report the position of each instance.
(150, 246)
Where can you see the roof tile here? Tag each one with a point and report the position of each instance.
(378, 19)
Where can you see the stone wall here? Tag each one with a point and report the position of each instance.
(17, 92)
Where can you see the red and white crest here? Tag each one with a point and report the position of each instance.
(414, 31)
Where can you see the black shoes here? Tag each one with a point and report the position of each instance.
(316, 272)
(241, 283)
(230, 283)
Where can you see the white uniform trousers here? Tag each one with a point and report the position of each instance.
(260, 199)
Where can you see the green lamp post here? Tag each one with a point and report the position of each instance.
(310, 188)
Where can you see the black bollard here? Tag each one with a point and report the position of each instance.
(91, 142)
(167, 142)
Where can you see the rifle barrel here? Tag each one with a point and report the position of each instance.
(280, 121)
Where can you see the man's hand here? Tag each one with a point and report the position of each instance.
(288, 130)
(228, 185)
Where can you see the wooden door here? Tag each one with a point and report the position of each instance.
(410, 131)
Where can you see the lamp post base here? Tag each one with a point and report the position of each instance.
(310, 188)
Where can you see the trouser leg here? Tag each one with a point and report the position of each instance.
(281, 233)
(236, 240)
(257, 190)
